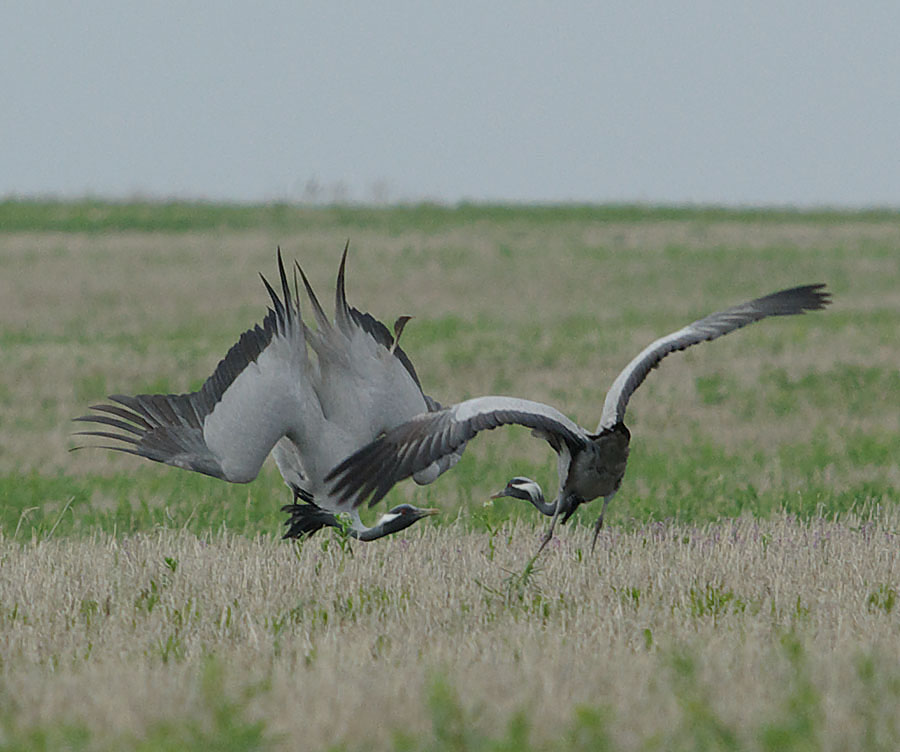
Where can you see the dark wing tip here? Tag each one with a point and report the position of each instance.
(285, 288)
(367, 474)
(797, 300)
(318, 311)
(276, 301)
(341, 309)
(818, 297)
(110, 447)
(108, 435)
(305, 519)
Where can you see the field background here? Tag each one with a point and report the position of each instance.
(742, 597)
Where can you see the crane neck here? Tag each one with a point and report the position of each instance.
(547, 508)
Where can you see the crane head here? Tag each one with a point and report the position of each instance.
(401, 517)
(522, 488)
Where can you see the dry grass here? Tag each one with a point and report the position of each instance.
(735, 620)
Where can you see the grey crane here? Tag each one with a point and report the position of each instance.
(271, 394)
(589, 464)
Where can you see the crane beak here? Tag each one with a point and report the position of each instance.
(429, 512)
(498, 495)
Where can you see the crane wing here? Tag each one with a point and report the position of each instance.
(227, 428)
(789, 302)
(413, 446)
(269, 392)
(366, 383)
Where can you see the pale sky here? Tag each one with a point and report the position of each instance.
(767, 102)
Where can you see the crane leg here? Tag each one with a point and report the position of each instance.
(599, 524)
(549, 534)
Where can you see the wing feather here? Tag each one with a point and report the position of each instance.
(227, 427)
(430, 437)
(267, 389)
(341, 308)
(366, 384)
(795, 300)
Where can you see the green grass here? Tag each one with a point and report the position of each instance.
(91, 215)
(796, 416)
(38, 506)
(545, 302)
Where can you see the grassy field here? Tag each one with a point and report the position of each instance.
(742, 597)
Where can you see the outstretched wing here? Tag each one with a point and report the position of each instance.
(784, 303)
(429, 437)
(228, 427)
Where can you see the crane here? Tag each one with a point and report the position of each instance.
(310, 396)
(590, 464)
